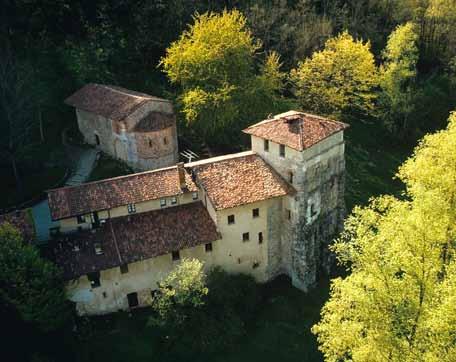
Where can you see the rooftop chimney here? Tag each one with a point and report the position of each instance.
(181, 173)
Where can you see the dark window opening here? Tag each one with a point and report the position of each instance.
(150, 143)
(133, 300)
(81, 219)
(175, 255)
(97, 140)
(282, 150)
(162, 202)
(230, 219)
(173, 200)
(288, 214)
(255, 265)
(165, 141)
(95, 220)
(290, 177)
(105, 295)
(245, 237)
(260, 238)
(266, 145)
(94, 279)
(131, 208)
(124, 268)
(256, 212)
(313, 212)
(208, 247)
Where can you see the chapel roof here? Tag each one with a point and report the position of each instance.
(297, 130)
(133, 238)
(112, 102)
(118, 191)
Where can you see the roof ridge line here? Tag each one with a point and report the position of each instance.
(112, 178)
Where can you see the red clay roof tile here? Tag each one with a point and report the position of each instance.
(133, 238)
(118, 191)
(296, 130)
(236, 181)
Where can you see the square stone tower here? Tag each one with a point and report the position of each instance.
(308, 152)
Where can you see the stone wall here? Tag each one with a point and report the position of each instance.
(140, 150)
(316, 211)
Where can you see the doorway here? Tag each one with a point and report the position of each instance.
(132, 300)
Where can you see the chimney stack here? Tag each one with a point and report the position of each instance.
(181, 173)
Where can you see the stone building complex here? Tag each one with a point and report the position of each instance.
(268, 211)
(134, 127)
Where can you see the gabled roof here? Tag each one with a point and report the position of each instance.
(239, 179)
(133, 238)
(296, 130)
(118, 191)
(109, 101)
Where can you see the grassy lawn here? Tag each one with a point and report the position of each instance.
(371, 162)
(107, 167)
(281, 332)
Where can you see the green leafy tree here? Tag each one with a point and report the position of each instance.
(29, 284)
(183, 290)
(398, 78)
(339, 79)
(398, 303)
(213, 63)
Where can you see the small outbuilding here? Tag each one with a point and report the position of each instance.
(134, 127)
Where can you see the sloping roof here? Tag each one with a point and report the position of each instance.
(109, 101)
(234, 181)
(155, 121)
(118, 191)
(133, 238)
(21, 220)
(296, 130)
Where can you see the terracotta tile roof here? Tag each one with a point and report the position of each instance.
(133, 238)
(21, 220)
(296, 130)
(109, 101)
(155, 121)
(118, 191)
(235, 181)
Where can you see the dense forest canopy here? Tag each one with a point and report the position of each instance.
(55, 47)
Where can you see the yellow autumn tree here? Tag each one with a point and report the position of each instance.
(340, 78)
(399, 301)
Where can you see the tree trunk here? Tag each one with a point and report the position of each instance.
(19, 187)
(41, 124)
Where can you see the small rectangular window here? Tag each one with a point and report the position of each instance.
(124, 268)
(81, 219)
(175, 255)
(266, 145)
(256, 212)
(162, 202)
(288, 214)
(260, 238)
(165, 141)
(313, 211)
(208, 247)
(133, 300)
(94, 279)
(245, 237)
(290, 177)
(150, 143)
(282, 150)
(131, 208)
(230, 219)
(173, 200)
(195, 196)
